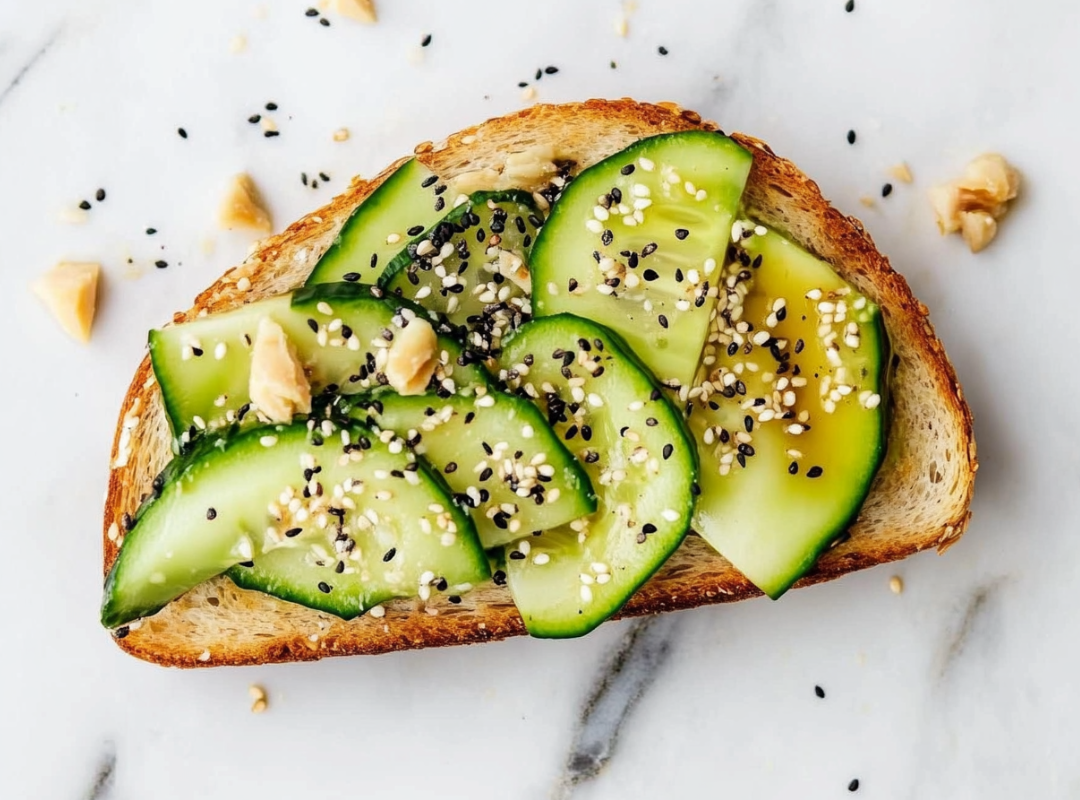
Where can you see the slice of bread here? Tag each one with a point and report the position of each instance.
(919, 500)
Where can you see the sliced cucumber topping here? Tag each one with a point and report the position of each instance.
(790, 423)
(404, 205)
(636, 243)
(308, 515)
(472, 267)
(633, 444)
(497, 454)
(342, 335)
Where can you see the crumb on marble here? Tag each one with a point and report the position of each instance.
(901, 172)
(896, 584)
(258, 698)
(973, 203)
(359, 10)
(341, 135)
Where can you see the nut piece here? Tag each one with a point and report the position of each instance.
(360, 10)
(512, 266)
(258, 698)
(277, 386)
(244, 207)
(412, 358)
(69, 290)
(973, 203)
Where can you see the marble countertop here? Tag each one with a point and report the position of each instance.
(963, 686)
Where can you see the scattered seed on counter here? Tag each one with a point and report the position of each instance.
(819, 692)
(255, 119)
(854, 785)
(100, 196)
(85, 205)
(614, 65)
(324, 22)
(849, 6)
(182, 132)
(662, 50)
(151, 231)
(886, 190)
(311, 12)
(161, 264)
(258, 698)
(426, 40)
(851, 137)
(271, 106)
(551, 70)
(271, 134)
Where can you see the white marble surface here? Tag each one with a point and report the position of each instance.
(963, 687)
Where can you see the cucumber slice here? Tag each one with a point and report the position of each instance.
(497, 454)
(472, 267)
(406, 203)
(636, 243)
(286, 498)
(638, 455)
(812, 433)
(339, 332)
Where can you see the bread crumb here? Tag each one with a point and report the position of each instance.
(244, 206)
(413, 357)
(267, 123)
(238, 44)
(868, 201)
(901, 172)
(341, 135)
(528, 93)
(359, 10)
(258, 698)
(278, 385)
(973, 203)
(69, 291)
(896, 584)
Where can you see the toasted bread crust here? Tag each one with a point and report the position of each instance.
(920, 498)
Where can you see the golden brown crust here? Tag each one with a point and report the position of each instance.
(920, 498)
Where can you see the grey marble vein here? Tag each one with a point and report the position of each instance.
(971, 625)
(29, 65)
(102, 784)
(622, 682)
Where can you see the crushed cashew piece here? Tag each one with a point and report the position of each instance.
(258, 698)
(901, 172)
(973, 203)
(244, 207)
(412, 358)
(278, 385)
(360, 10)
(69, 291)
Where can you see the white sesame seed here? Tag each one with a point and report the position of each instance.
(594, 226)
(393, 238)
(324, 308)
(541, 558)
(600, 213)
(646, 164)
(220, 350)
(586, 593)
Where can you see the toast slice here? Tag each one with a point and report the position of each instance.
(919, 500)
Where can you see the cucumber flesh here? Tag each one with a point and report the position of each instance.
(406, 203)
(787, 460)
(613, 416)
(497, 454)
(253, 497)
(472, 267)
(339, 332)
(636, 243)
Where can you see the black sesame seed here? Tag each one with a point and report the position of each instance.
(100, 195)
(793, 468)
(211, 513)
(151, 231)
(627, 170)
(662, 320)
(122, 631)
(254, 118)
(741, 458)
(607, 237)
(799, 345)
(591, 457)
(351, 277)
(522, 84)
(450, 468)
(499, 577)
(85, 205)
(571, 284)
(550, 70)
(454, 599)
(662, 50)
(748, 423)
(886, 190)
(311, 12)
(648, 249)
(324, 22)
(650, 275)
(854, 785)
(851, 137)
(681, 233)
(539, 74)
(814, 472)
(695, 488)
(517, 555)
(648, 527)
(271, 134)
(313, 325)
(819, 692)
(340, 568)
(389, 554)
(161, 264)
(849, 6)
(486, 474)
(668, 450)
(424, 42)
(324, 176)
(182, 132)
(325, 587)
(440, 203)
